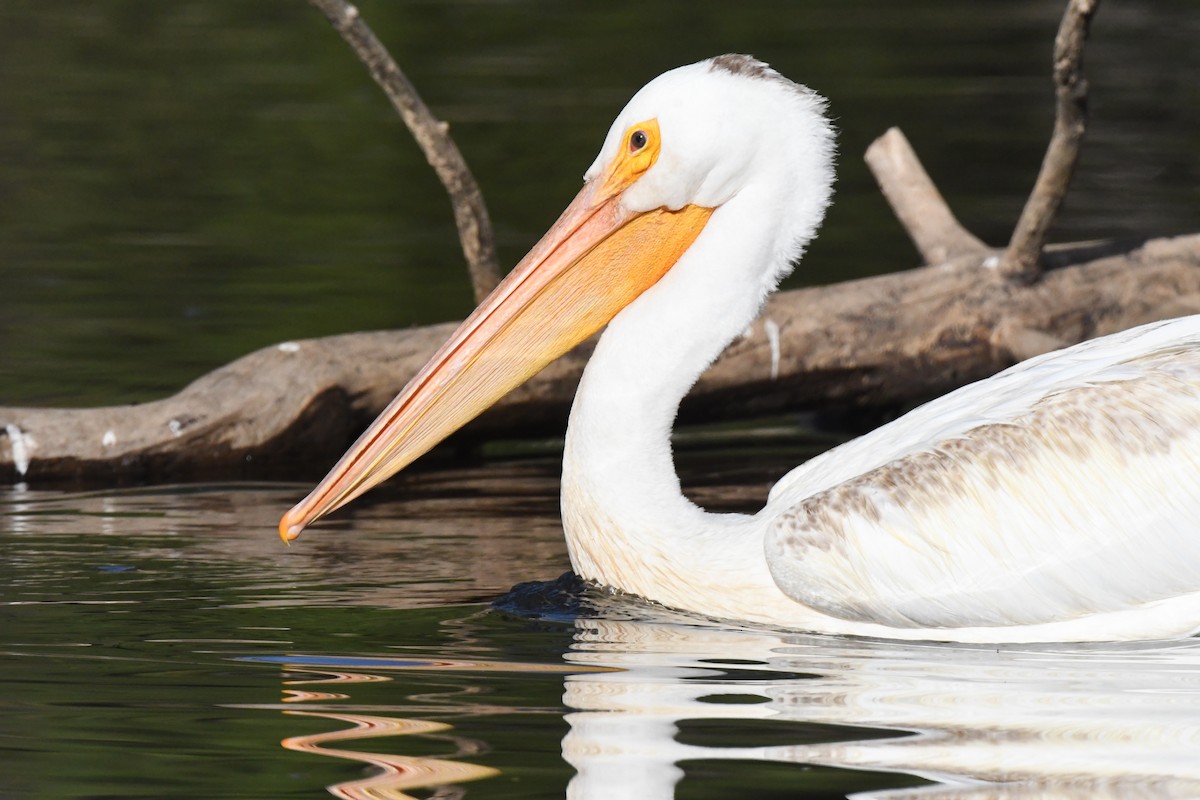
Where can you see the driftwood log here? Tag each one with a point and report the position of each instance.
(291, 409)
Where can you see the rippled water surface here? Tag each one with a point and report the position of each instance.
(163, 643)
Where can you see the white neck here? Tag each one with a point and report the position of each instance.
(627, 523)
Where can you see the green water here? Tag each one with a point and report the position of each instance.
(183, 182)
(161, 643)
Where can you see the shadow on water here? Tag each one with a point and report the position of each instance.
(163, 642)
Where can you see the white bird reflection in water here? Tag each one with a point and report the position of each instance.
(645, 701)
(1067, 721)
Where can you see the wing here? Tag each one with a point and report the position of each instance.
(1066, 487)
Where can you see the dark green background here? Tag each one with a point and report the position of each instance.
(183, 182)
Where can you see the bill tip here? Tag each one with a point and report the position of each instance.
(289, 530)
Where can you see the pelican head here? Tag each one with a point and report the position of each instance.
(687, 145)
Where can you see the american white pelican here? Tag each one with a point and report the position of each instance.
(1057, 501)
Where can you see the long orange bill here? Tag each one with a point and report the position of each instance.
(596, 259)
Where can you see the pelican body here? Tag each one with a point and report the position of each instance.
(1056, 501)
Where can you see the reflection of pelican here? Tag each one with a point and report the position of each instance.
(646, 701)
(1055, 501)
(1102, 721)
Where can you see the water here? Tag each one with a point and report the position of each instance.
(161, 643)
(183, 182)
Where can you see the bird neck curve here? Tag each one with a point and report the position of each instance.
(626, 519)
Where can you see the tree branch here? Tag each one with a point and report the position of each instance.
(1022, 260)
(470, 213)
(917, 203)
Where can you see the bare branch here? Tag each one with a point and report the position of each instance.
(470, 213)
(1022, 260)
(916, 202)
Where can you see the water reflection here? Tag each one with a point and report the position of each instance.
(1074, 722)
(652, 700)
(158, 621)
(224, 535)
(396, 773)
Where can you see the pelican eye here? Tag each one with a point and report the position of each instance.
(642, 141)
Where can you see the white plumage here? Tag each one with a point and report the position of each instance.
(1055, 501)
